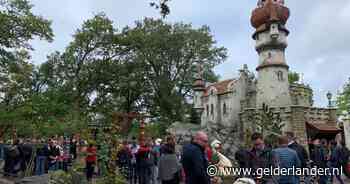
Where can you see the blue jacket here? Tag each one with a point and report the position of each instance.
(195, 164)
(287, 158)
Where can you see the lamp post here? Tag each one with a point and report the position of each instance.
(329, 97)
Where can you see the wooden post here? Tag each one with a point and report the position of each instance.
(142, 130)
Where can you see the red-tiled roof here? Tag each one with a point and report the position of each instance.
(221, 87)
(324, 126)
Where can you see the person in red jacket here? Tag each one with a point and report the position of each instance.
(90, 159)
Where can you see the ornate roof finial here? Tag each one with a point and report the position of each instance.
(261, 3)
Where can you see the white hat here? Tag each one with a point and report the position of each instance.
(215, 144)
(244, 181)
(158, 141)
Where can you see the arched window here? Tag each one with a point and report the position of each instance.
(224, 108)
(280, 76)
(212, 92)
(211, 109)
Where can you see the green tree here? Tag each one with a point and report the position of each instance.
(77, 71)
(168, 54)
(293, 77)
(148, 68)
(343, 99)
(18, 26)
(269, 124)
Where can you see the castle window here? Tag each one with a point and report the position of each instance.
(211, 109)
(280, 76)
(224, 108)
(269, 55)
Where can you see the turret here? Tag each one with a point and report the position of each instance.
(198, 88)
(269, 20)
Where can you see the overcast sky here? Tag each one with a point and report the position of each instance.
(319, 40)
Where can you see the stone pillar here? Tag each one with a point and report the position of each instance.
(298, 124)
(333, 115)
(346, 125)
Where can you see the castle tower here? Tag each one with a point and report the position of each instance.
(269, 20)
(198, 88)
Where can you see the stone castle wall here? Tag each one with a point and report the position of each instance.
(294, 118)
(301, 94)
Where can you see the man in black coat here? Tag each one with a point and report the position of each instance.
(318, 156)
(194, 160)
(261, 157)
(301, 151)
(27, 149)
(244, 159)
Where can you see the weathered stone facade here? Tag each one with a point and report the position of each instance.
(226, 107)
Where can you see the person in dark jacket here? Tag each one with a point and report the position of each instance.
(244, 158)
(27, 149)
(286, 158)
(144, 162)
(301, 151)
(194, 160)
(73, 148)
(41, 158)
(13, 157)
(319, 158)
(261, 157)
(124, 159)
(337, 156)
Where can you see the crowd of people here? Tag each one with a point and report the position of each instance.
(36, 157)
(166, 161)
(158, 161)
(329, 156)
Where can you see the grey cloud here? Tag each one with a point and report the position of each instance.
(318, 42)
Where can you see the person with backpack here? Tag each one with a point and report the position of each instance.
(169, 165)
